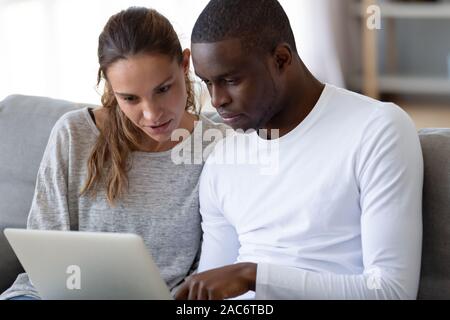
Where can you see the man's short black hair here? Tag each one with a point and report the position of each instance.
(259, 24)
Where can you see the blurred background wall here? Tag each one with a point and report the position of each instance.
(48, 47)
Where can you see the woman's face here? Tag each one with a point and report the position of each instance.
(151, 91)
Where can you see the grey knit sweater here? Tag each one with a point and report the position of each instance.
(161, 204)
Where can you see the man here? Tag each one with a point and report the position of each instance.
(340, 218)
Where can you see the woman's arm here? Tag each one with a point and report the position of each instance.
(49, 208)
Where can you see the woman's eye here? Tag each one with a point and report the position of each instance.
(129, 99)
(164, 89)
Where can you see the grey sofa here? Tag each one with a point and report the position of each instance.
(25, 124)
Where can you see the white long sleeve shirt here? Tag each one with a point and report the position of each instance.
(336, 213)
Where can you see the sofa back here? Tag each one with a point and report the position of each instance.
(435, 274)
(25, 125)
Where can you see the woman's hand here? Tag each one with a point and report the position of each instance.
(219, 284)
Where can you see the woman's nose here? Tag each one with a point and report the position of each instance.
(151, 113)
(147, 115)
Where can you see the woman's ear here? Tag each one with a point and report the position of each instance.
(282, 56)
(186, 60)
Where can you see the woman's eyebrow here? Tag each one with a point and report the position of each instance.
(131, 94)
(124, 94)
(164, 82)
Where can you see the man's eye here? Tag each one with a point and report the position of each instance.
(164, 89)
(207, 82)
(230, 82)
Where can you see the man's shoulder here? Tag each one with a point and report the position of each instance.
(362, 110)
(351, 100)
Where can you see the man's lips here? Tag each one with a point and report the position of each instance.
(229, 117)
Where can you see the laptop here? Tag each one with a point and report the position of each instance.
(69, 265)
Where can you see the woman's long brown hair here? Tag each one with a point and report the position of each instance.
(130, 32)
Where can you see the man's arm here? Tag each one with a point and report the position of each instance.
(389, 169)
(220, 245)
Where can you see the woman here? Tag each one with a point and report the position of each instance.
(111, 170)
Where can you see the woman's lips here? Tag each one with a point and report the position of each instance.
(159, 129)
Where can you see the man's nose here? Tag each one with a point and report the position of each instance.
(219, 97)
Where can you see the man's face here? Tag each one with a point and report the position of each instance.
(241, 84)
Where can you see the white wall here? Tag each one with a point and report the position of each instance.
(49, 47)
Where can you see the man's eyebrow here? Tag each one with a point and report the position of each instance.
(199, 76)
(221, 76)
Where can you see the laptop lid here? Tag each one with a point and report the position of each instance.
(89, 266)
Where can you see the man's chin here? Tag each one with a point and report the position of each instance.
(243, 125)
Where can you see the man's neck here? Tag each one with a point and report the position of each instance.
(301, 97)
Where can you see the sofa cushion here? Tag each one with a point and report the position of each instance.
(25, 125)
(435, 277)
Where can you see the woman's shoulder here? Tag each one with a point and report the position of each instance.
(213, 133)
(75, 123)
(209, 122)
(73, 117)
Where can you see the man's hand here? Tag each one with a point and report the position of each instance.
(219, 284)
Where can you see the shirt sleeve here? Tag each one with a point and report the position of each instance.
(21, 287)
(389, 169)
(49, 208)
(220, 245)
